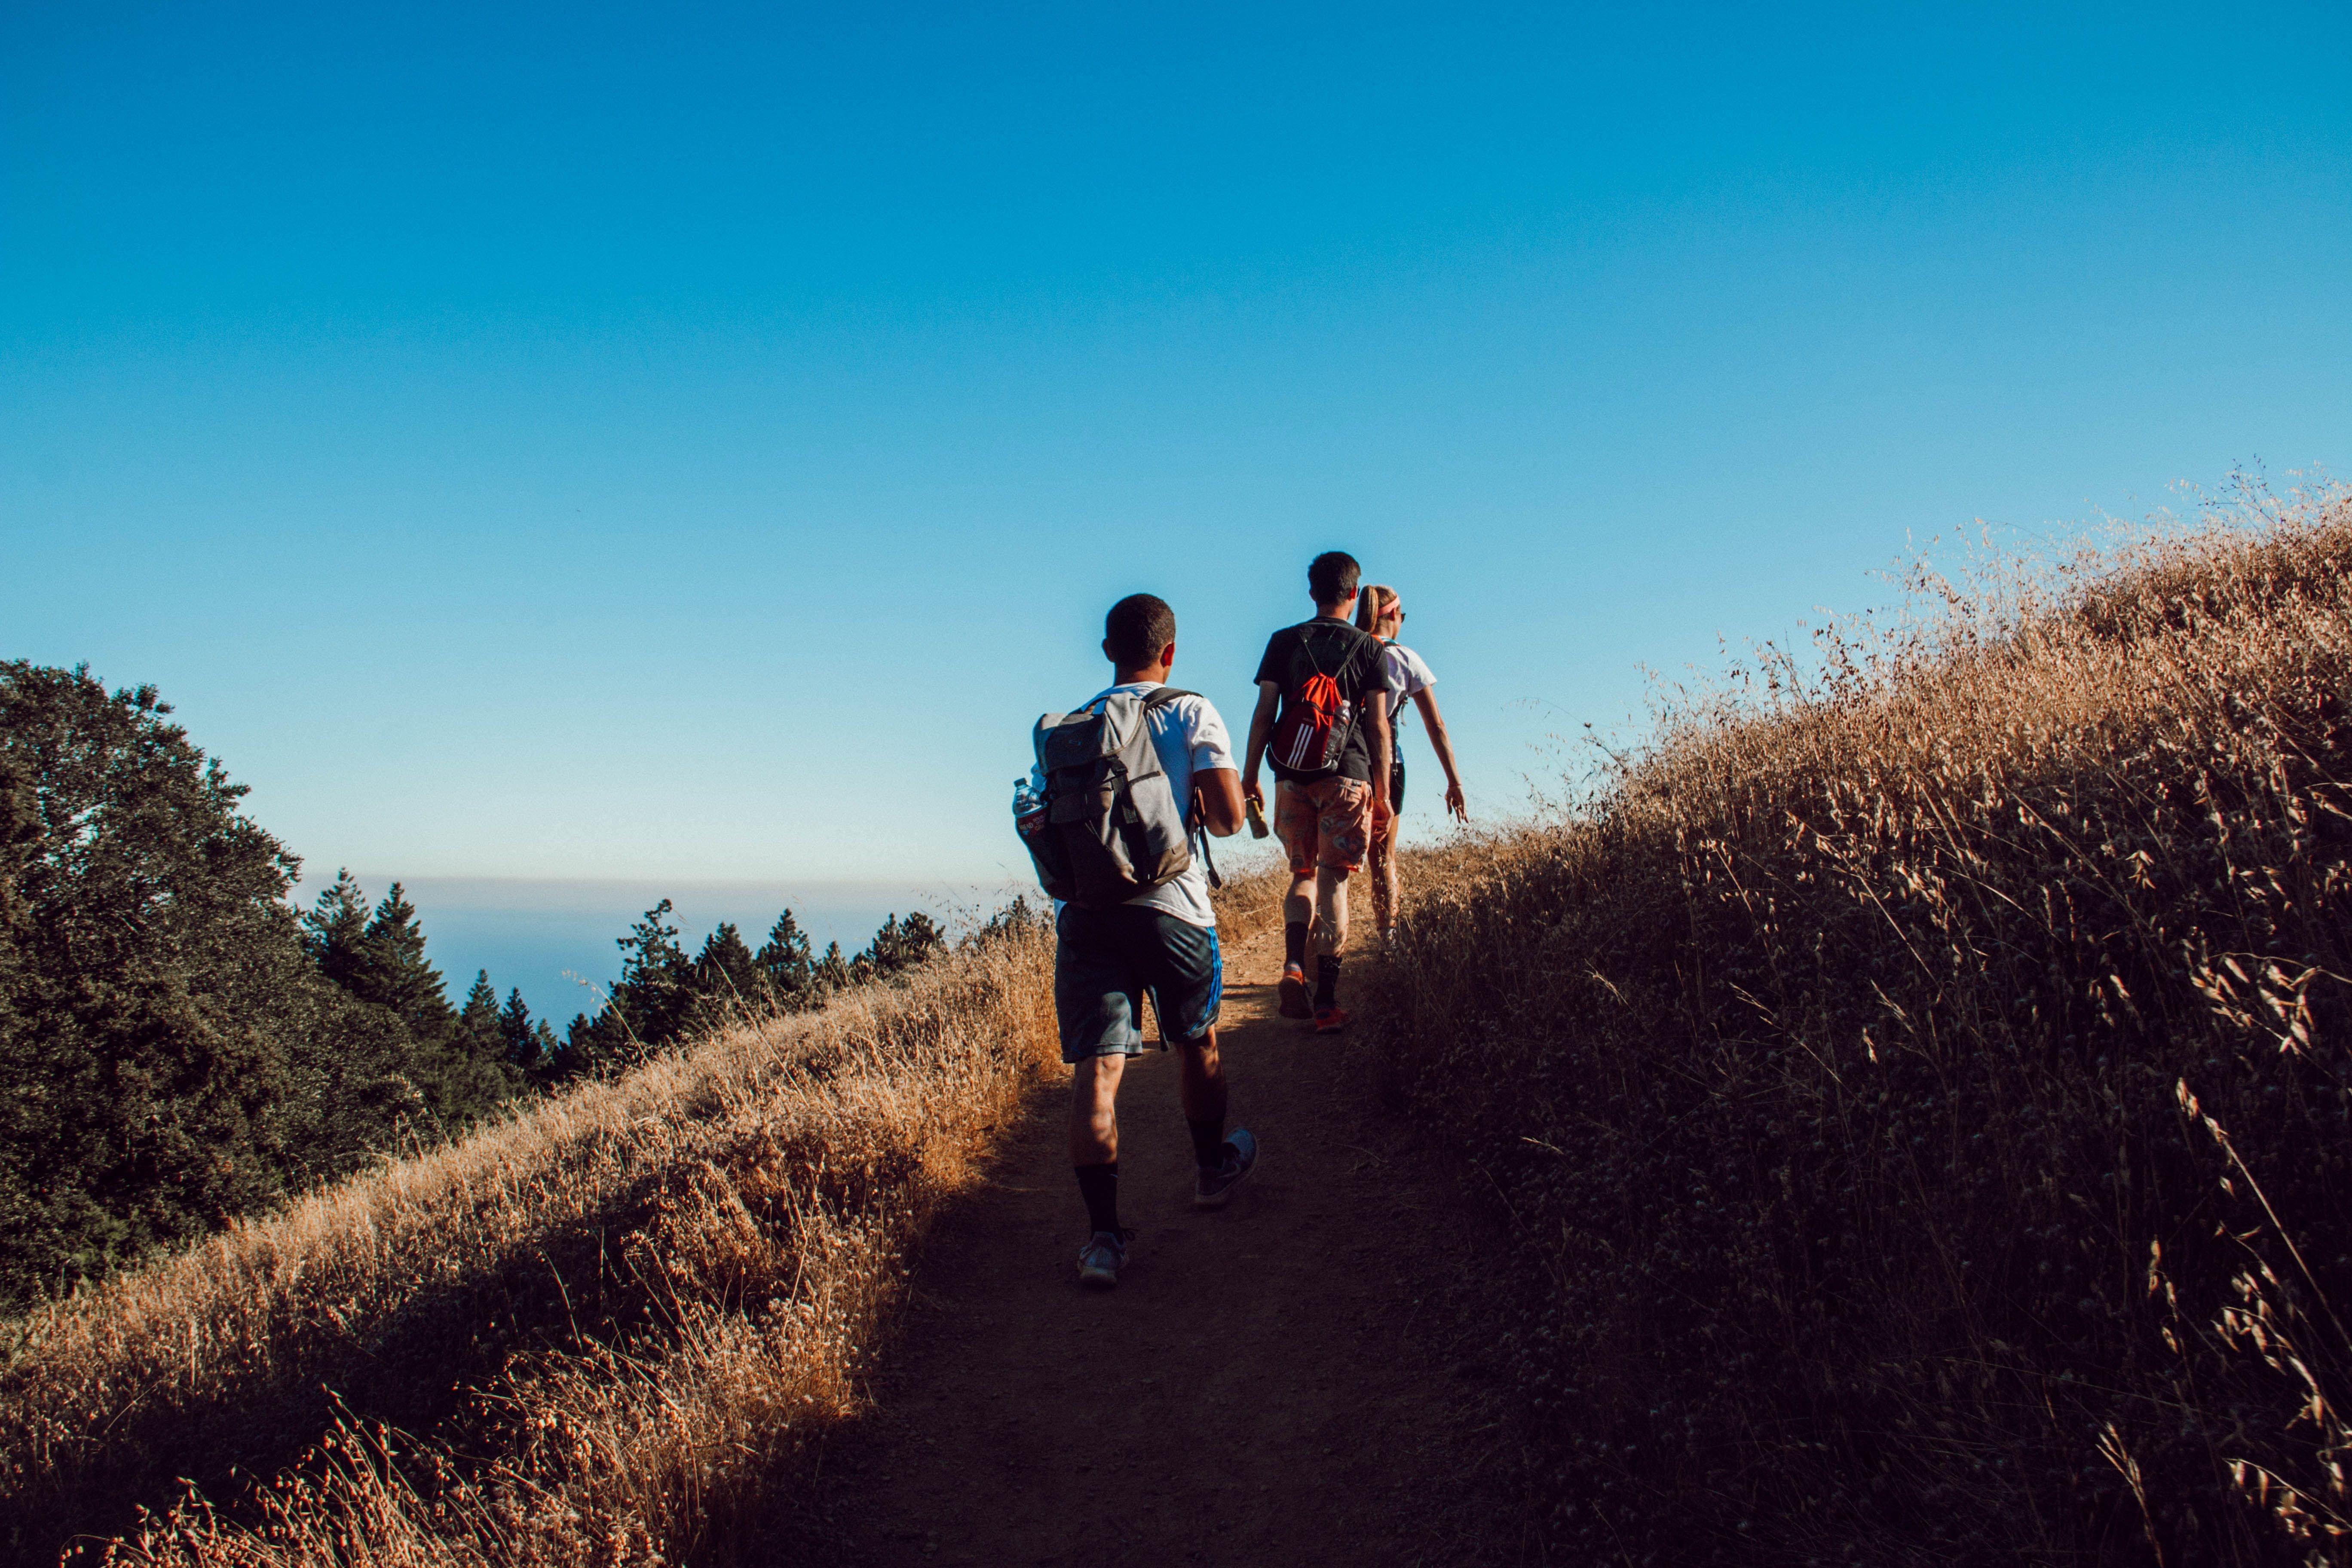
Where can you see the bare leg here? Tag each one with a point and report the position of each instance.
(1384, 876)
(1203, 1085)
(1298, 904)
(1331, 908)
(1094, 1109)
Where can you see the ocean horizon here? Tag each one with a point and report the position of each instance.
(556, 938)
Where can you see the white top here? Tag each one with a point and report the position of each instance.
(1407, 673)
(1189, 738)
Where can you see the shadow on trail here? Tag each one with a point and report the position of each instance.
(1298, 1378)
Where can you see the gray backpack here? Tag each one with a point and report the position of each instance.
(1111, 826)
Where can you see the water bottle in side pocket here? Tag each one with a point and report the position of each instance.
(1033, 819)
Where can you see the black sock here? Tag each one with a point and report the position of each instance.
(1326, 979)
(1098, 1184)
(1208, 1143)
(1294, 944)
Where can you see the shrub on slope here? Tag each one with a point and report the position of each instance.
(627, 1306)
(1922, 1097)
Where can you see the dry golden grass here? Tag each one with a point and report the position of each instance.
(606, 1330)
(1919, 1081)
(1918, 1086)
(612, 1322)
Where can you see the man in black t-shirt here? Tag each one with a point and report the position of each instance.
(1322, 722)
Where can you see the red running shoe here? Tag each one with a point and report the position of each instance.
(1331, 1020)
(1293, 992)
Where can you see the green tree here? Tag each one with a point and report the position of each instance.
(726, 980)
(477, 1029)
(587, 1046)
(1014, 918)
(394, 973)
(473, 1074)
(656, 985)
(786, 971)
(171, 1054)
(530, 1046)
(334, 932)
(457, 1059)
(901, 945)
(648, 1006)
(54, 1086)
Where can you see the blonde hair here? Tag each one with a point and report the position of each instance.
(1377, 600)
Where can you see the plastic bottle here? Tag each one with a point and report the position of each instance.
(1028, 808)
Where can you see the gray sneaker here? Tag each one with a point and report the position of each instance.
(1104, 1254)
(1211, 1188)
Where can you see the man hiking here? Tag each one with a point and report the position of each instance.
(1322, 723)
(1110, 819)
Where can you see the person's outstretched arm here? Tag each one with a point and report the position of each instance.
(1426, 700)
(1261, 729)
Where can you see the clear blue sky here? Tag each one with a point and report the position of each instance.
(694, 442)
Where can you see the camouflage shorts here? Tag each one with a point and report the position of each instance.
(1323, 822)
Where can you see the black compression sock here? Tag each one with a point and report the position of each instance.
(1098, 1184)
(1294, 944)
(1208, 1143)
(1326, 979)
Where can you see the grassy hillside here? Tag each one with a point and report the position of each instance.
(604, 1327)
(1916, 1087)
(1920, 1088)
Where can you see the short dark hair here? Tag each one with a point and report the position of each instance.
(1137, 629)
(1332, 576)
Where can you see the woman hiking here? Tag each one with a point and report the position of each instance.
(1380, 610)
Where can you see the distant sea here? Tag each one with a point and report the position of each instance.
(529, 933)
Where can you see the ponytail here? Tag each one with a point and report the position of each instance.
(1373, 604)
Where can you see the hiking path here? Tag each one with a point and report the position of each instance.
(1296, 1379)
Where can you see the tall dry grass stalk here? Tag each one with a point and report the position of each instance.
(1920, 1082)
(610, 1321)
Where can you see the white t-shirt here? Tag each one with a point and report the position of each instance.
(1407, 673)
(1189, 738)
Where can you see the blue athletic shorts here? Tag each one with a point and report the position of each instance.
(1106, 961)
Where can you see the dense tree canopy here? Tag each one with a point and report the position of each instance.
(172, 1055)
(178, 1045)
(663, 996)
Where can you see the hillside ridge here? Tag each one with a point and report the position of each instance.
(1903, 1118)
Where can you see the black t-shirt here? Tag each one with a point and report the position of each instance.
(1351, 658)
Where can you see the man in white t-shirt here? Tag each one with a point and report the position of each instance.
(1163, 940)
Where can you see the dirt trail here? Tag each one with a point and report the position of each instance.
(1296, 1379)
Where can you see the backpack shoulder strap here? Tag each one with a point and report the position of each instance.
(1306, 647)
(1193, 831)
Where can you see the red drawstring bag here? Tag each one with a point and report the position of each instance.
(1313, 730)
